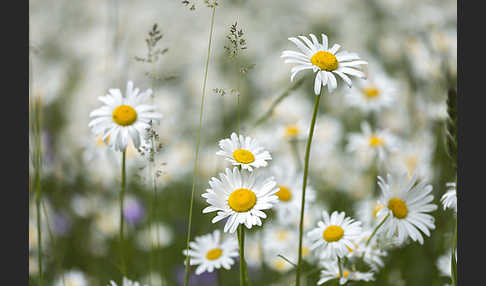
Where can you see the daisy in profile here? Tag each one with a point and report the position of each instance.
(72, 278)
(372, 143)
(241, 196)
(374, 94)
(327, 62)
(123, 118)
(126, 282)
(331, 271)
(335, 235)
(243, 151)
(407, 204)
(211, 251)
(449, 199)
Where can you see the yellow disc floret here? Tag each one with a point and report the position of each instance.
(242, 200)
(333, 233)
(214, 253)
(325, 60)
(243, 156)
(284, 194)
(124, 115)
(371, 92)
(376, 141)
(292, 130)
(398, 208)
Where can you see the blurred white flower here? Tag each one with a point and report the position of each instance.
(449, 199)
(72, 278)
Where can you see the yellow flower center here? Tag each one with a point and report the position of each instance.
(214, 253)
(242, 200)
(325, 60)
(124, 115)
(279, 265)
(398, 208)
(282, 235)
(305, 251)
(292, 130)
(333, 233)
(345, 274)
(376, 209)
(284, 194)
(376, 141)
(243, 156)
(100, 142)
(371, 92)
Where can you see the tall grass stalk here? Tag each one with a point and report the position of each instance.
(304, 185)
(198, 141)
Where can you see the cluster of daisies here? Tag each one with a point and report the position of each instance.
(240, 195)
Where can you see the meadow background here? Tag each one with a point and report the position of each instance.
(80, 49)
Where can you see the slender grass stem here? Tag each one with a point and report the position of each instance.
(186, 276)
(122, 197)
(304, 185)
(278, 100)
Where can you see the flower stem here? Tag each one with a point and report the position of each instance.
(304, 185)
(122, 197)
(241, 242)
(453, 256)
(186, 276)
(376, 229)
(340, 266)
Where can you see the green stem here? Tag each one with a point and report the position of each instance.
(453, 256)
(376, 229)
(241, 246)
(122, 197)
(304, 185)
(279, 99)
(340, 266)
(186, 276)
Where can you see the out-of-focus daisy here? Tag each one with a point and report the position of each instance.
(244, 151)
(335, 235)
(371, 253)
(157, 235)
(374, 94)
(123, 117)
(323, 60)
(414, 157)
(289, 182)
(278, 237)
(331, 271)
(72, 278)
(293, 131)
(211, 252)
(407, 204)
(449, 199)
(367, 210)
(241, 196)
(372, 143)
(126, 282)
(443, 263)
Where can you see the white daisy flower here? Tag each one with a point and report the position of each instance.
(326, 62)
(244, 151)
(371, 143)
(374, 94)
(367, 210)
(332, 272)
(449, 199)
(407, 203)
(126, 282)
(123, 117)
(289, 182)
(211, 251)
(241, 196)
(72, 278)
(371, 253)
(335, 235)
